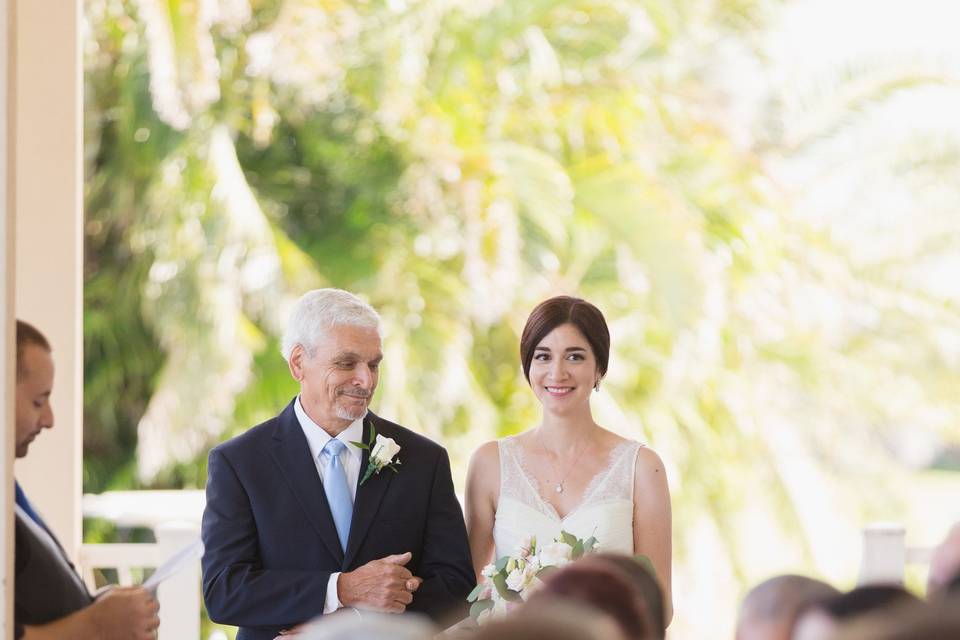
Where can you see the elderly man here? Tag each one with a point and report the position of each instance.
(770, 609)
(50, 599)
(305, 516)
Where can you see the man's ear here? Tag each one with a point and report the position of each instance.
(295, 362)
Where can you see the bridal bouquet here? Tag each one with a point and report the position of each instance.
(512, 579)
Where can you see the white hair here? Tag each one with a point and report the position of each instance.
(318, 311)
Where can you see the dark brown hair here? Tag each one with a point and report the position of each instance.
(865, 599)
(643, 581)
(28, 334)
(602, 587)
(550, 314)
(545, 620)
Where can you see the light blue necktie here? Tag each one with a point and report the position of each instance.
(336, 488)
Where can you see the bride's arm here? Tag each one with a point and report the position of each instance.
(483, 487)
(652, 527)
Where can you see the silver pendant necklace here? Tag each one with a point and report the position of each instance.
(558, 487)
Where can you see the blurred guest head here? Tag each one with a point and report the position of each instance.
(644, 582)
(944, 563)
(770, 609)
(822, 620)
(348, 624)
(552, 620)
(937, 620)
(598, 585)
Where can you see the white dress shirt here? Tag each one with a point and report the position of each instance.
(350, 459)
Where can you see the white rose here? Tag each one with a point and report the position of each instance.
(516, 579)
(384, 449)
(489, 571)
(555, 554)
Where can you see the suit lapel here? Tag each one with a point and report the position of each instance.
(292, 454)
(369, 495)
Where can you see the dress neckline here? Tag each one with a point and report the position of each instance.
(595, 482)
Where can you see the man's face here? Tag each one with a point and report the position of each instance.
(337, 383)
(34, 385)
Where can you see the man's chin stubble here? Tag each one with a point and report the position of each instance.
(346, 414)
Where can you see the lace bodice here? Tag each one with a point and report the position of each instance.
(605, 511)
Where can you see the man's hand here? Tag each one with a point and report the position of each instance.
(380, 585)
(125, 613)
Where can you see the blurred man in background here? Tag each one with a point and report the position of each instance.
(50, 599)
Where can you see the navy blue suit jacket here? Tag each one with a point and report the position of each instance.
(270, 540)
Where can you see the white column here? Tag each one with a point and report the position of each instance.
(7, 325)
(49, 244)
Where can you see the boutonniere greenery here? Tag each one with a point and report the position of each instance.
(383, 453)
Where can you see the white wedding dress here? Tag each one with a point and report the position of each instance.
(605, 511)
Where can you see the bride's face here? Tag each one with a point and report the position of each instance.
(563, 370)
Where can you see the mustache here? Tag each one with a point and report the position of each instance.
(356, 393)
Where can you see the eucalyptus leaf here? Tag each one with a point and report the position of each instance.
(479, 607)
(505, 592)
(500, 584)
(577, 550)
(477, 590)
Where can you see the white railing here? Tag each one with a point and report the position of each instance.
(174, 517)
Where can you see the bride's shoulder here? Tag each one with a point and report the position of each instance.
(648, 458)
(486, 457)
(487, 453)
(483, 472)
(650, 474)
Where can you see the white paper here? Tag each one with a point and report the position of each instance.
(176, 563)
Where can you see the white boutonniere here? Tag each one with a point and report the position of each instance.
(383, 452)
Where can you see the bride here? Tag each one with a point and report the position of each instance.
(568, 473)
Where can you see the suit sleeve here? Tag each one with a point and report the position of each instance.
(445, 565)
(237, 589)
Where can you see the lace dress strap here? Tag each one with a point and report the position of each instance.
(514, 482)
(616, 482)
